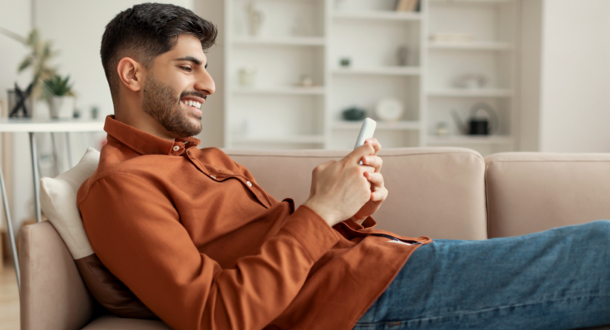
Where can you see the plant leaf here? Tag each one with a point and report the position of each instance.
(56, 85)
(33, 38)
(25, 63)
(13, 35)
(46, 50)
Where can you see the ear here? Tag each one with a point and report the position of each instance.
(131, 73)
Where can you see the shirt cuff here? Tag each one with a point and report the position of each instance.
(314, 234)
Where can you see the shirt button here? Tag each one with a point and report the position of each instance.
(176, 148)
(249, 184)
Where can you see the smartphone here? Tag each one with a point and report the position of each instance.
(366, 131)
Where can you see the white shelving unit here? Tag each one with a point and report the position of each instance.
(374, 72)
(275, 112)
(471, 38)
(310, 37)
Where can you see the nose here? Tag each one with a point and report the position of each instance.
(205, 83)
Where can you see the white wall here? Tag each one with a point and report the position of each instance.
(575, 76)
(17, 19)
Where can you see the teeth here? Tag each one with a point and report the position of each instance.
(192, 103)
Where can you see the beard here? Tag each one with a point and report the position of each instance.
(159, 102)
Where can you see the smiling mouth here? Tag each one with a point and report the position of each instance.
(192, 104)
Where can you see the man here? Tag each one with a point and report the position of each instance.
(204, 247)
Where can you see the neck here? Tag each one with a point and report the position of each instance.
(132, 114)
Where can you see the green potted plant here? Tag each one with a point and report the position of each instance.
(38, 59)
(60, 96)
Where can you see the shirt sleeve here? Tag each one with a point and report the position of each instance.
(136, 232)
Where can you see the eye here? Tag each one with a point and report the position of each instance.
(186, 68)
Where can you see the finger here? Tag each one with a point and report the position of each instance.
(379, 195)
(374, 143)
(373, 161)
(357, 154)
(376, 179)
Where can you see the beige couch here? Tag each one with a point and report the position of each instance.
(438, 192)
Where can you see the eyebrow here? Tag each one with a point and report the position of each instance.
(191, 59)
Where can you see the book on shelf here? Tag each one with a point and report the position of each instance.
(415, 5)
(406, 5)
(402, 5)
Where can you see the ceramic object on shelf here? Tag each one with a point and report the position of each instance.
(441, 129)
(389, 109)
(62, 107)
(247, 76)
(471, 81)
(402, 56)
(306, 81)
(478, 125)
(354, 114)
(452, 37)
(255, 18)
(345, 62)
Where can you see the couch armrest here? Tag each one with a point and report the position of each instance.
(530, 192)
(53, 295)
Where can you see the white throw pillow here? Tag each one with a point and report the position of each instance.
(58, 201)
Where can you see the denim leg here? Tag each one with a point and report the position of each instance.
(557, 279)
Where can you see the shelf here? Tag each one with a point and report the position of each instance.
(469, 140)
(480, 45)
(280, 90)
(280, 41)
(388, 70)
(378, 15)
(50, 125)
(482, 92)
(299, 139)
(472, 2)
(384, 126)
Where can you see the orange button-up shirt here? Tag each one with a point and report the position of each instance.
(204, 247)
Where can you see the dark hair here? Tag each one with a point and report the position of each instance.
(146, 31)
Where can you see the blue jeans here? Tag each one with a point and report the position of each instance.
(557, 279)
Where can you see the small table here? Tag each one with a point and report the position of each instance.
(31, 126)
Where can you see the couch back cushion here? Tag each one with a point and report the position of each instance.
(435, 192)
(530, 192)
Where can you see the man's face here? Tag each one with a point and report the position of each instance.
(176, 87)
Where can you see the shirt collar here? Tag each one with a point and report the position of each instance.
(145, 143)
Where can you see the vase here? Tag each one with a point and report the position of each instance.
(25, 111)
(62, 107)
(255, 19)
(247, 76)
